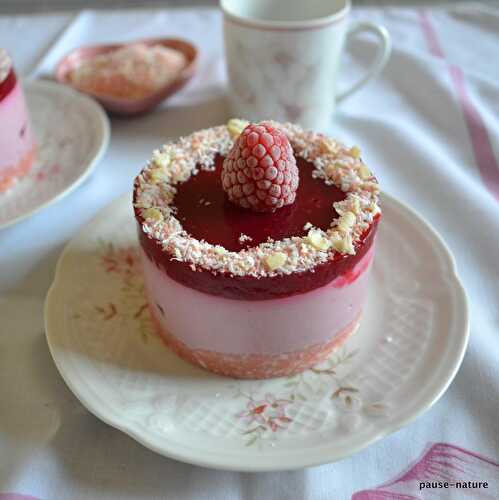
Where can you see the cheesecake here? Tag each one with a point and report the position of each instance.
(256, 242)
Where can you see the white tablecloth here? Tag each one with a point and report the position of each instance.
(429, 127)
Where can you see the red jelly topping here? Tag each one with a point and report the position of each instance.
(206, 213)
(7, 85)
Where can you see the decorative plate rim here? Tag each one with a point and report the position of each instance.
(97, 154)
(232, 461)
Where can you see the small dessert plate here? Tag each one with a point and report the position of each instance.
(71, 133)
(407, 351)
(122, 106)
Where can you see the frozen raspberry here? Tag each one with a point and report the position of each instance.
(260, 170)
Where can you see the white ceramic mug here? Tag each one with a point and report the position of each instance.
(283, 58)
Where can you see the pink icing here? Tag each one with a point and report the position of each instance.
(204, 321)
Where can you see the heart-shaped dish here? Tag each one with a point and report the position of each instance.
(130, 106)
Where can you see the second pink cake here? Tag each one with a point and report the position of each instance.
(17, 145)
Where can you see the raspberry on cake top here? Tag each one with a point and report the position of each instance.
(260, 170)
(258, 182)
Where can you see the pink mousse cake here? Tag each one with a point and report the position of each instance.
(16, 140)
(256, 241)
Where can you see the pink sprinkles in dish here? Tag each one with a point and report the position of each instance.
(130, 72)
(334, 163)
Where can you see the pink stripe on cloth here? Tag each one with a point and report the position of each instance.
(430, 34)
(479, 137)
(482, 147)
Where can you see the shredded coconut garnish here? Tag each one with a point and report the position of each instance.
(334, 163)
(243, 238)
(5, 65)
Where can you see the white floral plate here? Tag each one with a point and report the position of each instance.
(404, 356)
(72, 134)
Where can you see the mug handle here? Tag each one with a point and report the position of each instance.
(382, 54)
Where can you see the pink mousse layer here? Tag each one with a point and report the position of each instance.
(255, 366)
(270, 327)
(16, 139)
